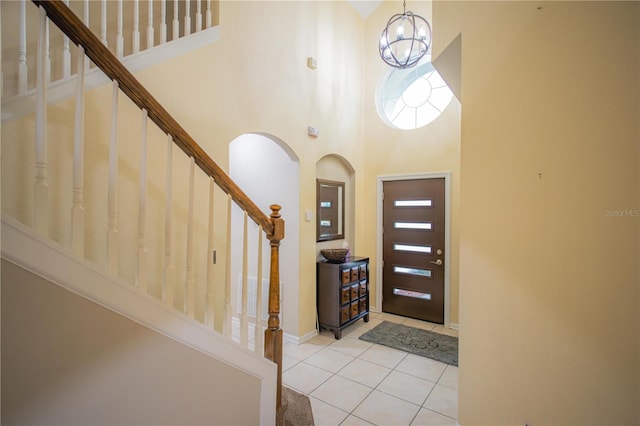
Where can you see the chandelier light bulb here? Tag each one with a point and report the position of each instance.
(384, 44)
(422, 32)
(400, 31)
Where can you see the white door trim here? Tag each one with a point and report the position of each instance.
(447, 234)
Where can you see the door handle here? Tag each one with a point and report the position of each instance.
(437, 262)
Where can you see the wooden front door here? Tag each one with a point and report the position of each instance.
(413, 248)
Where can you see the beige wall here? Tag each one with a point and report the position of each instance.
(549, 226)
(258, 81)
(334, 168)
(254, 79)
(67, 360)
(389, 151)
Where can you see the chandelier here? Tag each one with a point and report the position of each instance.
(405, 39)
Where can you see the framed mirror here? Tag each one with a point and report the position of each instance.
(329, 210)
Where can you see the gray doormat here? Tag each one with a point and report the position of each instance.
(415, 341)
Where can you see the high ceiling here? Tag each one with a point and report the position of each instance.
(365, 7)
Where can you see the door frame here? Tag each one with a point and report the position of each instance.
(447, 233)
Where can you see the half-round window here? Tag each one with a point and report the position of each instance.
(412, 98)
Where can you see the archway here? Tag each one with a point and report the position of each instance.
(267, 170)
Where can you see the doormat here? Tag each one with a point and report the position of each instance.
(416, 341)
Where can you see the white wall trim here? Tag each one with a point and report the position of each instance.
(19, 105)
(298, 340)
(447, 235)
(50, 261)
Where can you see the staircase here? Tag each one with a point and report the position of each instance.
(96, 199)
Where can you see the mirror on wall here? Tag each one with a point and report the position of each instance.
(329, 210)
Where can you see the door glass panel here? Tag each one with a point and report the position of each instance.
(411, 248)
(412, 203)
(412, 225)
(410, 293)
(325, 204)
(412, 271)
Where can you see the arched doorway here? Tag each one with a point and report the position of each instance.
(267, 170)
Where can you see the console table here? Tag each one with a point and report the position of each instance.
(342, 293)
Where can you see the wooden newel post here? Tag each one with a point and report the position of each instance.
(273, 333)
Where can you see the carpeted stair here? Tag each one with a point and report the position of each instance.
(296, 409)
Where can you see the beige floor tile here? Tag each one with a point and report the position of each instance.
(354, 331)
(407, 387)
(322, 339)
(349, 346)
(365, 372)
(342, 393)
(382, 409)
(422, 367)
(304, 377)
(392, 318)
(300, 351)
(443, 400)
(325, 414)
(372, 323)
(288, 362)
(329, 360)
(450, 377)
(444, 330)
(340, 376)
(431, 418)
(382, 355)
(354, 421)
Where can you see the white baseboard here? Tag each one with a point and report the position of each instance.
(297, 340)
(22, 247)
(286, 337)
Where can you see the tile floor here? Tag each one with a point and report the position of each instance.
(353, 382)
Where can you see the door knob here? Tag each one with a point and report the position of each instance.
(437, 262)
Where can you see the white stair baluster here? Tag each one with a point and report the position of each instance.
(41, 190)
(187, 18)
(258, 338)
(66, 53)
(227, 283)
(176, 21)
(85, 19)
(136, 26)
(119, 34)
(167, 284)
(23, 72)
(163, 21)
(209, 14)
(47, 68)
(112, 232)
(150, 36)
(210, 299)
(103, 22)
(77, 209)
(198, 16)
(190, 293)
(141, 279)
(244, 318)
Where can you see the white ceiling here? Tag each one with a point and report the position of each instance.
(365, 7)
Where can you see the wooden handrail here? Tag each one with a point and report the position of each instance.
(79, 34)
(272, 225)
